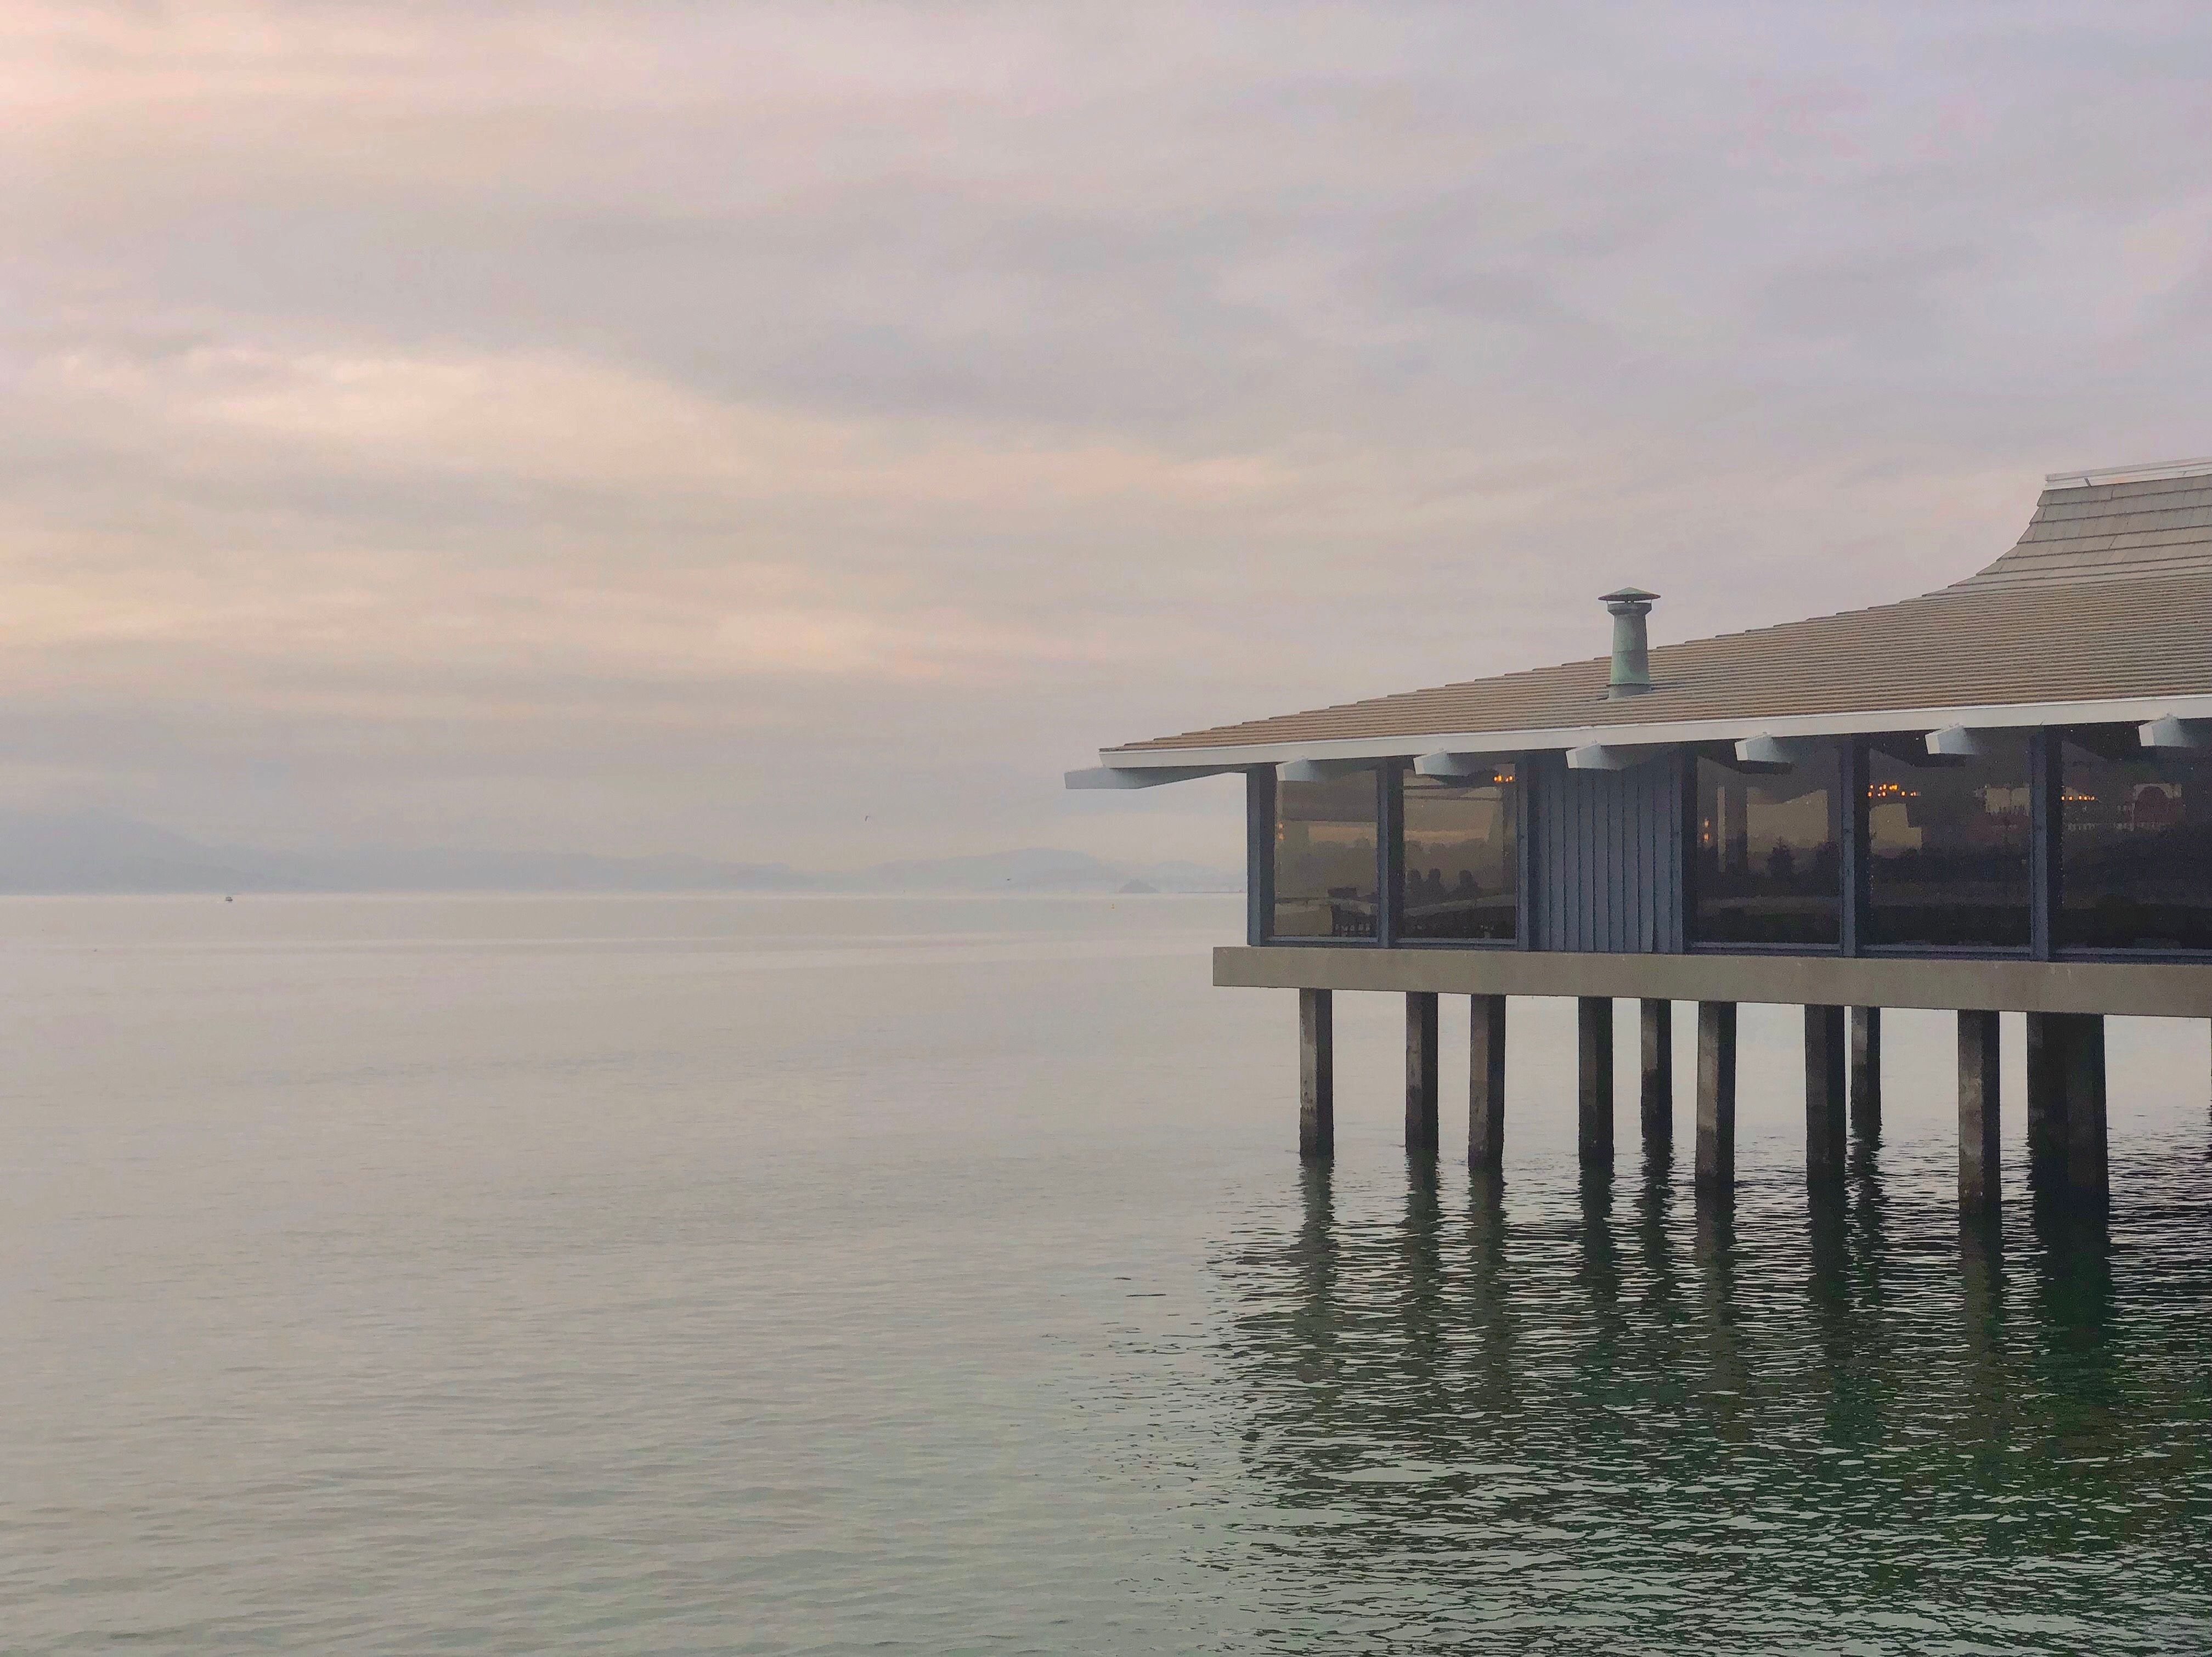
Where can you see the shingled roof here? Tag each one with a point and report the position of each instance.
(2105, 602)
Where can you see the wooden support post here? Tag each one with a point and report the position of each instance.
(1486, 1079)
(1866, 1072)
(1316, 1076)
(2087, 1175)
(1980, 1146)
(1717, 1096)
(1656, 1096)
(1421, 1072)
(1824, 1094)
(2046, 1098)
(1594, 1045)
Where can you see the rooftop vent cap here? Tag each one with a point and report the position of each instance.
(1630, 673)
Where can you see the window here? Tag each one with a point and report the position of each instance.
(1325, 860)
(1463, 867)
(1768, 869)
(1947, 847)
(2135, 848)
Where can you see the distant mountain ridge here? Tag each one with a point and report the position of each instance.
(93, 852)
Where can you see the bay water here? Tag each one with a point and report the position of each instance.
(822, 1275)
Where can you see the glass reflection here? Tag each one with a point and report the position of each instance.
(1325, 858)
(1769, 869)
(1462, 872)
(2135, 849)
(1946, 852)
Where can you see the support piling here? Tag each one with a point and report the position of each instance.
(1594, 1044)
(2046, 1099)
(1486, 1091)
(1316, 1076)
(1715, 1170)
(2087, 1169)
(1421, 1073)
(1866, 1072)
(1824, 1094)
(1655, 1097)
(1979, 1143)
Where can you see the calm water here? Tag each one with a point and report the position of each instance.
(611, 1275)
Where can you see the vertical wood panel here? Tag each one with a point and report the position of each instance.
(1608, 858)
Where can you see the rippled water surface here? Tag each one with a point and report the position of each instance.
(725, 1274)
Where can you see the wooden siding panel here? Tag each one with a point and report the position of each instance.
(1608, 854)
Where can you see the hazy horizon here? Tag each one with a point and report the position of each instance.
(96, 854)
(795, 433)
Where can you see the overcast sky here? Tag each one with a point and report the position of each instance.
(801, 432)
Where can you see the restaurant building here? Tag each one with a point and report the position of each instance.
(1994, 797)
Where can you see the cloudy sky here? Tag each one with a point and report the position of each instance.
(800, 431)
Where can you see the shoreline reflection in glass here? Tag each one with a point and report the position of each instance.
(1769, 868)
(2135, 846)
(1947, 848)
(1461, 877)
(1325, 864)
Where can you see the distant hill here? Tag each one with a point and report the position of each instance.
(94, 852)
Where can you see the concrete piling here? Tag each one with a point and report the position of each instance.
(2046, 1099)
(2066, 1091)
(1716, 1170)
(1979, 1143)
(2088, 1171)
(1421, 1073)
(2066, 1125)
(1825, 1069)
(1486, 1089)
(1655, 1097)
(1316, 1076)
(1866, 1072)
(1594, 1046)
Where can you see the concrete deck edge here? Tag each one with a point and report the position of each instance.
(2149, 990)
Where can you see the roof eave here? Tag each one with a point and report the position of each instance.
(1989, 716)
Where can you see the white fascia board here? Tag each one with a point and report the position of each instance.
(1107, 776)
(1995, 716)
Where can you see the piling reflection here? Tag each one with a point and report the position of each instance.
(1636, 1418)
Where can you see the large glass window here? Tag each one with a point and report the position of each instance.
(1462, 874)
(1947, 848)
(1769, 869)
(1325, 864)
(2136, 851)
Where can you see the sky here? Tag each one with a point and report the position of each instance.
(800, 433)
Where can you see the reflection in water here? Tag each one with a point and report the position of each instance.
(1552, 1416)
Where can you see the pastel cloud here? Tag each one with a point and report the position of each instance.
(572, 424)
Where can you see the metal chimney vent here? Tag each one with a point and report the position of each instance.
(1631, 674)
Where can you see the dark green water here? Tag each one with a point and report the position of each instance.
(626, 1276)
(1601, 1419)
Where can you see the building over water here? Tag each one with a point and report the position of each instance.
(1994, 797)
